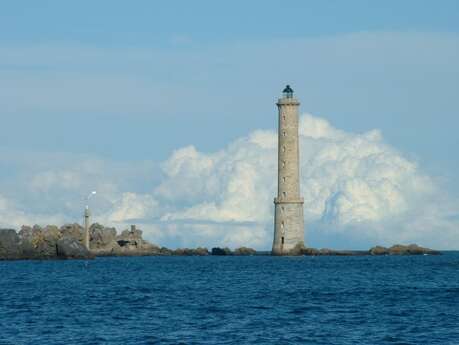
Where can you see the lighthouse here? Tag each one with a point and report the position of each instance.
(288, 214)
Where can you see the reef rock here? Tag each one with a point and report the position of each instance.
(74, 230)
(130, 242)
(71, 248)
(40, 242)
(26, 235)
(165, 251)
(52, 242)
(221, 251)
(200, 251)
(244, 251)
(102, 240)
(130, 239)
(378, 250)
(399, 249)
(310, 251)
(9, 244)
(412, 249)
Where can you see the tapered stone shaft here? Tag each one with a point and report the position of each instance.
(288, 216)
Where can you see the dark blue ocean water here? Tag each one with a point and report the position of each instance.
(231, 300)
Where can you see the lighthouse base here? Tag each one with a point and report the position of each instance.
(288, 226)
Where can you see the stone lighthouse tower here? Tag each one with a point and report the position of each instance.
(288, 215)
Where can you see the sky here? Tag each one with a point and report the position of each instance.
(167, 109)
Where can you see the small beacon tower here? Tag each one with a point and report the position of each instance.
(87, 214)
(288, 215)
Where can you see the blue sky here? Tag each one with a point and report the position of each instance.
(128, 84)
(146, 23)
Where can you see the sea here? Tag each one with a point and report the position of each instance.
(231, 300)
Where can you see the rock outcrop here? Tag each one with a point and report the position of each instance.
(66, 242)
(26, 237)
(241, 251)
(378, 250)
(399, 249)
(221, 251)
(71, 248)
(45, 241)
(102, 240)
(105, 242)
(131, 242)
(40, 243)
(9, 244)
(200, 251)
(166, 251)
(74, 230)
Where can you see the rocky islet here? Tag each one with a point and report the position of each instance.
(66, 242)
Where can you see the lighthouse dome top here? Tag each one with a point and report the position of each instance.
(288, 92)
(287, 97)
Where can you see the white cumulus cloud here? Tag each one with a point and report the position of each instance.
(352, 183)
(131, 206)
(358, 191)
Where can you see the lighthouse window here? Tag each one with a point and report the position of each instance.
(283, 133)
(283, 208)
(283, 148)
(282, 225)
(282, 240)
(283, 179)
(283, 164)
(283, 117)
(284, 194)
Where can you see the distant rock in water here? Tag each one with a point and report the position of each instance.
(104, 241)
(45, 241)
(244, 251)
(131, 242)
(399, 249)
(241, 251)
(40, 243)
(165, 251)
(71, 248)
(221, 251)
(379, 250)
(330, 252)
(74, 230)
(200, 251)
(9, 244)
(66, 242)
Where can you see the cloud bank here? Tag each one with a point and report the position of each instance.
(354, 185)
(358, 191)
